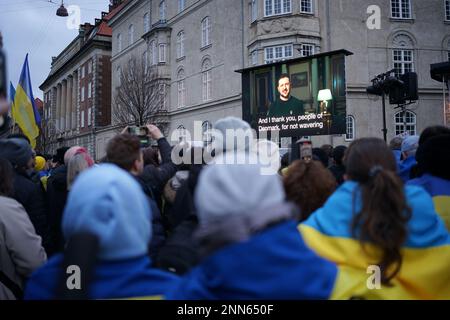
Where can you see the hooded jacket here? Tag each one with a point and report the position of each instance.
(425, 254)
(252, 246)
(108, 203)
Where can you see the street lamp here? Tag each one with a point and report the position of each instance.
(62, 11)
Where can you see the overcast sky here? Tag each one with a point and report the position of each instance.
(31, 26)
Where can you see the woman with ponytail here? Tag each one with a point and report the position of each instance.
(386, 238)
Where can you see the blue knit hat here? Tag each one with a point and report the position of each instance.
(107, 201)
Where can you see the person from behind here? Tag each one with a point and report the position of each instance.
(338, 168)
(409, 148)
(373, 223)
(396, 146)
(79, 162)
(108, 203)
(250, 242)
(308, 185)
(29, 194)
(21, 250)
(124, 150)
(433, 158)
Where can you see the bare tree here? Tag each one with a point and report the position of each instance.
(47, 136)
(140, 96)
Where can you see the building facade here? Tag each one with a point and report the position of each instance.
(196, 46)
(77, 92)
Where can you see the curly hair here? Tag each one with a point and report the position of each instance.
(308, 185)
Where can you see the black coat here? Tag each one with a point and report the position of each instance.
(155, 178)
(32, 197)
(57, 197)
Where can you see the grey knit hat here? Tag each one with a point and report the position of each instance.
(15, 150)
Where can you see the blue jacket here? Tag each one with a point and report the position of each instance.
(273, 264)
(425, 264)
(439, 190)
(131, 278)
(405, 168)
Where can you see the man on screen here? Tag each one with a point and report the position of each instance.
(285, 105)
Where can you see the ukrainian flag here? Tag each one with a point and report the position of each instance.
(24, 111)
(425, 270)
(439, 190)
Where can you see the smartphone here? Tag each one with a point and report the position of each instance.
(138, 131)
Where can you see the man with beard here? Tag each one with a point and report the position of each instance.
(285, 105)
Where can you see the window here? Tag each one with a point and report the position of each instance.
(403, 61)
(181, 132)
(307, 50)
(119, 42)
(278, 53)
(82, 72)
(206, 30)
(119, 76)
(254, 10)
(405, 122)
(350, 133)
(180, 5)
(153, 52)
(82, 93)
(254, 57)
(162, 92)
(130, 34)
(207, 133)
(306, 6)
(89, 90)
(82, 119)
(274, 7)
(162, 11)
(162, 53)
(89, 66)
(401, 9)
(89, 120)
(447, 10)
(146, 22)
(181, 89)
(206, 80)
(145, 58)
(180, 44)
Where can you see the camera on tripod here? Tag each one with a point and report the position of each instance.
(400, 89)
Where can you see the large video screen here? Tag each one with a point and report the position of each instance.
(298, 97)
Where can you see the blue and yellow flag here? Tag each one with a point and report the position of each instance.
(424, 272)
(12, 92)
(24, 111)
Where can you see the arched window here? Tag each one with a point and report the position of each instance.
(180, 44)
(405, 122)
(119, 76)
(119, 42)
(206, 32)
(152, 49)
(130, 34)
(206, 79)
(181, 132)
(350, 125)
(207, 133)
(181, 89)
(162, 10)
(402, 54)
(146, 22)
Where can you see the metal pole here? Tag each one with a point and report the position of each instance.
(384, 117)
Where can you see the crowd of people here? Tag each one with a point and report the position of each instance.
(139, 225)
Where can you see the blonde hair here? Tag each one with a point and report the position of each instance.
(77, 164)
